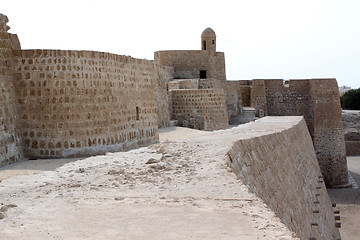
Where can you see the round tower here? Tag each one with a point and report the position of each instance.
(208, 40)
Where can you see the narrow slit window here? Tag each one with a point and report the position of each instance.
(137, 113)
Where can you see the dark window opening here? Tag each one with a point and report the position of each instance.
(137, 113)
(202, 74)
(213, 41)
(204, 45)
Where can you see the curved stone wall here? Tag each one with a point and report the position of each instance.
(203, 109)
(75, 103)
(275, 158)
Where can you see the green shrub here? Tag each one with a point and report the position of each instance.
(351, 100)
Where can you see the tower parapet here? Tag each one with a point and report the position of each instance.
(189, 64)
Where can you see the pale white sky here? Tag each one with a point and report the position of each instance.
(285, 39)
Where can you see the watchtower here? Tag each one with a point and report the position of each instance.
(208, 40)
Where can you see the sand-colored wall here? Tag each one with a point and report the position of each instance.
(279, 164)
(232, 95)
(187, 64)
(162, 76)
(232, 91)
(10, 142)
(203, 109)
(293, 99)
(317, 100)
(184, 84)
(329, 141)
(75, 103)
(245, 94)
(258, 96)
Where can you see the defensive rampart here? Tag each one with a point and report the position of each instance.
(317, 100)
(203, 109)
(275, 158)
(235, 92)
(74, 103)
(10, 142)
(162, 76)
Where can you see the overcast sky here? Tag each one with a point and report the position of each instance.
(285, 39)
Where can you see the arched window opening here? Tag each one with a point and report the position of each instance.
(204, 45)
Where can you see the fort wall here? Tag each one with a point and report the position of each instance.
(245, 95)
(329, 139)
(316, 100)
(163, 75)
(233, 100)
(75, 103)
(188, 63)
(258, 96)
(293, 99)
(184, 84)
(203, 109)
(232, 91)
(278, 163)
(10, 142)
(232, 95)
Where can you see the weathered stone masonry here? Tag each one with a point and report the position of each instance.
(72, 103)
(317, 100)
(204, 63)
(200, 109)
(75, 103)
(279, 164)
(58, 103)
(10, 141)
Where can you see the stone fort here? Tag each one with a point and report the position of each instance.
(62, 103)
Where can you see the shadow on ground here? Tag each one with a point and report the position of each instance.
(28, 167)
(346, 195)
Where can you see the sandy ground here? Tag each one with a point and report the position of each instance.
(169, 190)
